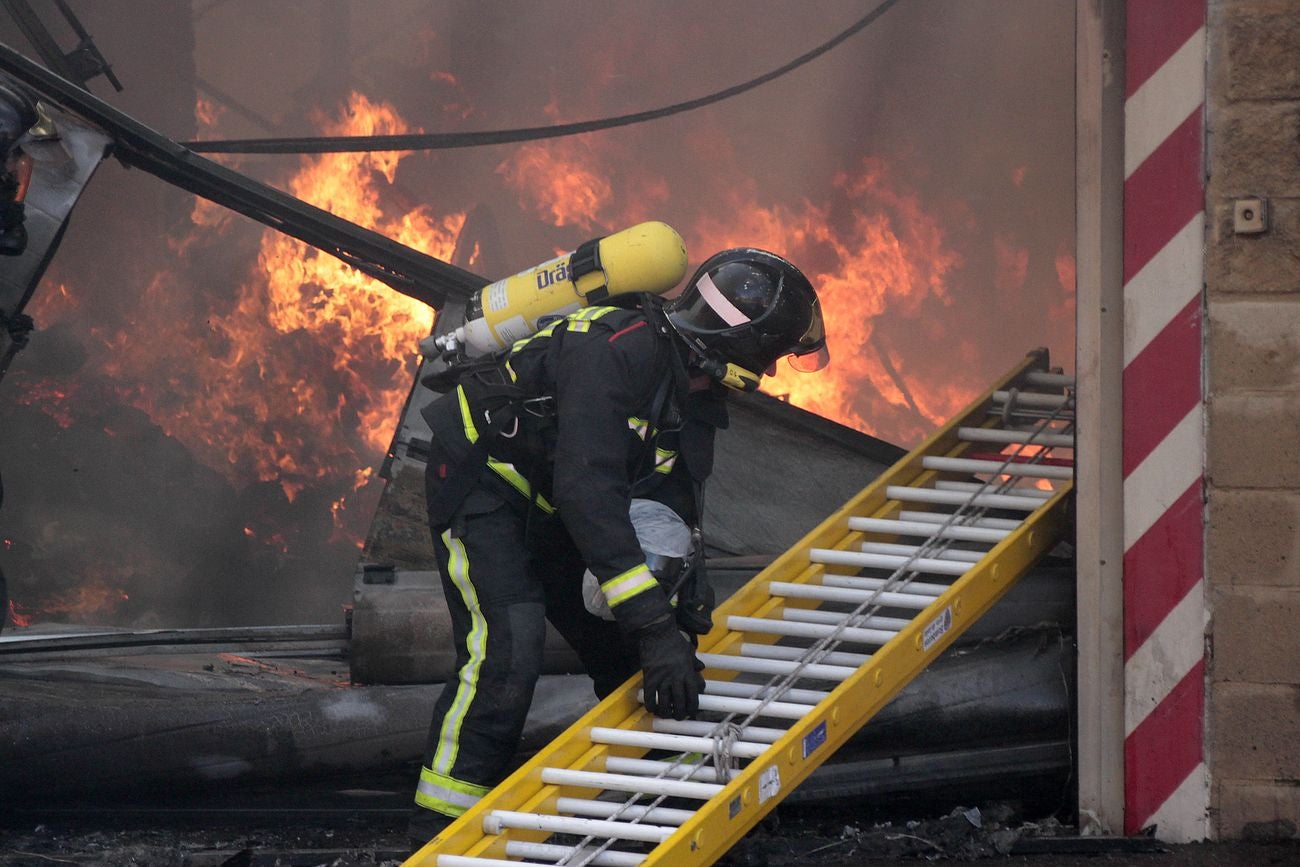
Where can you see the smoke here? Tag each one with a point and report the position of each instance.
(921, 173)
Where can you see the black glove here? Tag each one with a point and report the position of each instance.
(671, 672)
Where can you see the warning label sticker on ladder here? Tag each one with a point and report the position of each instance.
(769, 784)
(937, 628)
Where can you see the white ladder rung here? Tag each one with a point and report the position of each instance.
(1035, 399)
(498, 820)
(1044, 379)
(859, 583)
(702, 728)
(730, 662)
(725, 704)
(655, 768)
(875, 621)
(958, 554)
(627, 783)
(915, 601)
(777, 651)
(960, 520)
(1019, 491)
(553, 853)
(474, 861)
(1010, 437)
(916, 528)
(767, 626)
(657, 741)
(605, 809)
(733, 689)
(862, 560)
(907, 494)
(1003, 468)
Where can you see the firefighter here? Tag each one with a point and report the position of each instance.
(17, 115)
(534, 464)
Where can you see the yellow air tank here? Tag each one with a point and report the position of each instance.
(648, 257)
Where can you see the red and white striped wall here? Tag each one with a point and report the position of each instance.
(1166, 782)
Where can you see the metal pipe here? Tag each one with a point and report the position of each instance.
(961, 498)
(915, 528)
(627, 783)
(552, 852)
(963, 465)
(854, 634)
(676, 743)
(605, 809)
(498, 820)
(843, 594)
(1002, 435)
(860, 559)
(729, 662)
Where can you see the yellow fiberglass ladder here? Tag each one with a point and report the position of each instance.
(802, 655)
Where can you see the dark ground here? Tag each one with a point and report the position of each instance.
(343, 823)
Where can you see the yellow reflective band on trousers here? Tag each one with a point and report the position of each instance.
(623, 587)
(476, 645)
(446, 795)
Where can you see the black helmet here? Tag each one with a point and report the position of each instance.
(749, 307)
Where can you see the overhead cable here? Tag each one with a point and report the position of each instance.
(443, 141)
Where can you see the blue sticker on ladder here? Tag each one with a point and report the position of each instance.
(814, 739)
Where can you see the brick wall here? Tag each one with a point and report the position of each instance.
(1253, 464)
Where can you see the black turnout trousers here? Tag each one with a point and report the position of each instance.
(506, 568)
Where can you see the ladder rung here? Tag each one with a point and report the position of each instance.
(960, 520)
(1036, 399)
(655, 768)
(958, 554)
(1019, 491)
(962, 465)
(875, 621)
(498, 820)
(702, 728)
(934, 566)
(472, 861)
(628, 783)
(1044, 379)
(554, 853)
(961, 498)
(843, 594)
(733, 689)
(774, 709)
(855, 583)
(605, 809)
(776, 651)
(916, 528)
(817, 671)
(657, 741)
(1002, 435)
(767, 626)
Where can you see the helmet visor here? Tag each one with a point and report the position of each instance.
(812, 353)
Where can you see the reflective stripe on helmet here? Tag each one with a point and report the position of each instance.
(623, 587)
(730, 313)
